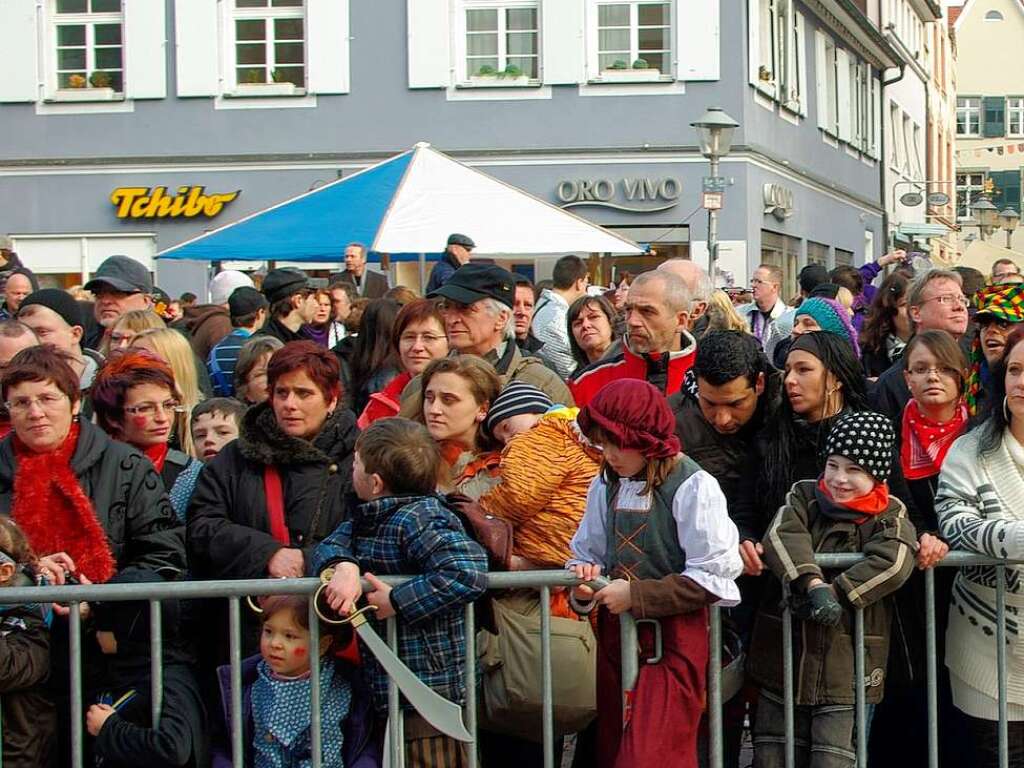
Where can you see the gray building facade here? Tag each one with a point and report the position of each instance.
(583, 103)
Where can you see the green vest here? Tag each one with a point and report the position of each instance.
(644, 543)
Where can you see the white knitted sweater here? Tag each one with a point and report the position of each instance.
(980, 506)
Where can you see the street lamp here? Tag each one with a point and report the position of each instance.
(714, 134)
(986, 214)
(1008, 221)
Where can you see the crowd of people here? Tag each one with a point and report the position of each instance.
(671, 448)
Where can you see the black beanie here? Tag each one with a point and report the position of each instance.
(61, 302)
(866, 439)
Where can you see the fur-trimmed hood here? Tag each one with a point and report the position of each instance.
(261, 440)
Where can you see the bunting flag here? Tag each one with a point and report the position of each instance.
(1001, 149)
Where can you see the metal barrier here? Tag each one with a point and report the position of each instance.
(543, 581)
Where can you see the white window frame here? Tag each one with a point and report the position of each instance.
(908, 147)
(860, 105)
(971, 189)
(89, 19)
(970, 107)
(1015, 114)
(895, 158)
(232, 14)
(831, 88)
(781, 71)
(463, 76)
(594, 72)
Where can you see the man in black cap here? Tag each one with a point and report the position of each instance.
(120, 285)
(477, 307)
(56, 318)
(247, 308)
(292, 303)
(456, 253)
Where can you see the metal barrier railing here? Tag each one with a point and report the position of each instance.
(543, 581)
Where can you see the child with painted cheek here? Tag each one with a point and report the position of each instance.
(281, 694)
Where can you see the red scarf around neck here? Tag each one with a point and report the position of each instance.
(157, 454)
(872, 503)
(53, 511)
(924, 443)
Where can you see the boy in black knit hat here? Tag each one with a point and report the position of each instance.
(848, 509)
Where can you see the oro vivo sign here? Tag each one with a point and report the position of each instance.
(156, 203)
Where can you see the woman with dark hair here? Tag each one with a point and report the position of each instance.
(980, 508)
(251, 368)
(137, 401)
(323, 328)
(281, 487)
(591, 321)
(887, 327)
(418, 338)
(373, 361)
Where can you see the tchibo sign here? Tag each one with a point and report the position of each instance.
(640, 194)
(155, 203)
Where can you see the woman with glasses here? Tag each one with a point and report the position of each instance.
(417, 338)
(137, 401)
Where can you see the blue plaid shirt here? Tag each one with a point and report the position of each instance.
(416, 536)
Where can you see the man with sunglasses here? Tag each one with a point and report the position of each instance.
(935, 301)
(292, 303)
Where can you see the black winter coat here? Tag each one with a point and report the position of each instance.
(228, 522)
(127, 496)
(29, 717)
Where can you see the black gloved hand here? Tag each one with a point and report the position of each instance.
(823, 606)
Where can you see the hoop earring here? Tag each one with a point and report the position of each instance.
(1006, 410)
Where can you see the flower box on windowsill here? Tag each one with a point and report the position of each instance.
(86, 94)
(498, 81)
(267, 89)
(648, 75)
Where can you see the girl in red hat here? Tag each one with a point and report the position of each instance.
(657, 525)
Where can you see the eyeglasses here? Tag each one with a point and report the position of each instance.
(426, 338)
(949, 300)
(150, 409)
(938, 370)
(48, 401)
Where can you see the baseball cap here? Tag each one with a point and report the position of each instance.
(122, 274)
(245, 300)
(282, 283)
(464, 240)
(224, 284)
(474, 282)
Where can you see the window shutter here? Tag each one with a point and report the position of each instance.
(197, 47)
(327, 47)
(995, 116)
(429, 43)
(821, 80)
(561, 39)
(19, 41)
(845, 111)
(801, 69)
(698, 43)
(876, 116)
(753, 41)
(145, 49)
(1007, 189)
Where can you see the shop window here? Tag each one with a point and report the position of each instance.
(782, 251)
(968, 116)
(969, 186)
(634, 39)
(89, 49)
(1015, 116)
(502, 41)
(269, 42)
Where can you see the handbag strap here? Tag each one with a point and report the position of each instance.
(275, 504)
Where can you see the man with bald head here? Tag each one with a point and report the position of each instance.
(657, 346)
(698, 282)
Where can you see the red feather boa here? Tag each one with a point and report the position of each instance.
(55, 514)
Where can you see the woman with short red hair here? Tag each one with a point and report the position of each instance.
(272, 494)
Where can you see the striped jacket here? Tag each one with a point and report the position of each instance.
(823, 657)
(419, 536)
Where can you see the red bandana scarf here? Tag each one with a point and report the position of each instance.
(157, 454)
(871, 504)
(54, 512)
(925, 443)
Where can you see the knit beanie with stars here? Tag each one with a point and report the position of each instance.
(866, 439)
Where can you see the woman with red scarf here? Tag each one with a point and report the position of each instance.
(137, 401)
(934, 417)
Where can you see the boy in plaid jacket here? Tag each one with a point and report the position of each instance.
(403, 527)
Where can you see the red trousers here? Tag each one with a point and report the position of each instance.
(667, 702)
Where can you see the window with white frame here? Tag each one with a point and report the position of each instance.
(635, 36)
(896, 124)
(780, 51)
(968, 116)
(908, 147)
(860, 105)
(831, 106)
(502, 39)
(918, 150)
(89, 48)
(1015, 116)
(969, 186)
(269, 42)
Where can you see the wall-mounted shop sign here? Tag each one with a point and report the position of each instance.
(156, 203)
(640, 194)
(778, 201)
